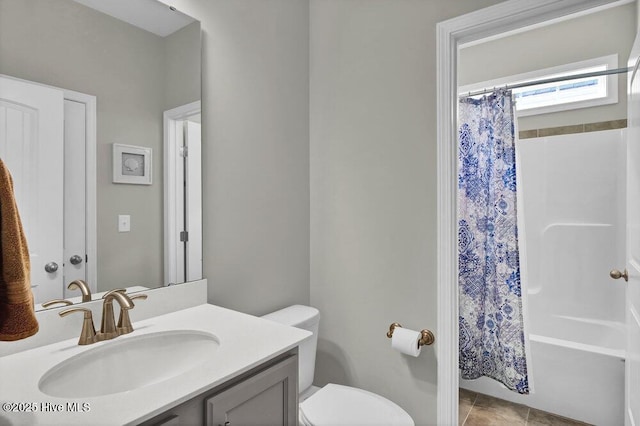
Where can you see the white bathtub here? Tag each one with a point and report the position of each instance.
(573, 379)
(571, 234)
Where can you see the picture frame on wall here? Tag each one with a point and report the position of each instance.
(132, 164)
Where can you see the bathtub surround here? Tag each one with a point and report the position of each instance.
(576, 320)
(492, 340)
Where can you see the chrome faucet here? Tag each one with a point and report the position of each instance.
(108, 328)
(83, 287)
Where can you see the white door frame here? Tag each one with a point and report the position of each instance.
(500, 18)
(171, 158)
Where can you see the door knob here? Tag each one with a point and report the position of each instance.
(51, 267)
(75, 259)
(615, 274)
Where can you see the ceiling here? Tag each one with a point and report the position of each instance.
(150, 15)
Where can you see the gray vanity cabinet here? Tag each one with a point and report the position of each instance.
(266, 395)
(268, 398)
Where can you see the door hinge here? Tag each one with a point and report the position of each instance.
(184, 151)
(184, 236)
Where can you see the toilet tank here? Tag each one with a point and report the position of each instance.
(306, 318)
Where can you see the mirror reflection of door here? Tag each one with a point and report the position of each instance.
(183, 194)
(74, 243)
(31, 145)
(192, 248)
(57, 222)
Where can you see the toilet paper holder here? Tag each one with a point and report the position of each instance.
(427, 336)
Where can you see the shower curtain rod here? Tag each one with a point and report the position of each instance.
(546, 80)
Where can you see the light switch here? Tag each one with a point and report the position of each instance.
(124, 223)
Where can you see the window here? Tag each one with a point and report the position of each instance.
(560, 95)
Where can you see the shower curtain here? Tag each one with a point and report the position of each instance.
(492, 340)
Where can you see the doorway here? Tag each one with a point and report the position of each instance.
(507, 16)
(183, 194)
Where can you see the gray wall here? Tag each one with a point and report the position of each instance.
(65, 44)
(255, 151)
(598, 34)
(373, 190)
(182, 68)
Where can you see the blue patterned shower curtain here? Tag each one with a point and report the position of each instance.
(492, 340)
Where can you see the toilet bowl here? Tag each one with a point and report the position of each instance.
(333, 404)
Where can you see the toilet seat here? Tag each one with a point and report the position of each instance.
(335, 405)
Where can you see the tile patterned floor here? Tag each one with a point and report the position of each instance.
(482, 410)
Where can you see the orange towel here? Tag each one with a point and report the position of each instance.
(17, 315)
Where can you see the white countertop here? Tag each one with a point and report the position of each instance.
(245, 342)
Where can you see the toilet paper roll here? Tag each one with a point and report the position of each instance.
(406, 341)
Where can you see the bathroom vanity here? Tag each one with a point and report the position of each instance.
(201, 365)
(265, 395)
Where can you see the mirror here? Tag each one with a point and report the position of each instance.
(140, 63)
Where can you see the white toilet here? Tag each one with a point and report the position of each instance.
(333, 404)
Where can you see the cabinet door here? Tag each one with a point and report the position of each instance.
(268, 398)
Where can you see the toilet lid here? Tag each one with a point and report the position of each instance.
(343, 405)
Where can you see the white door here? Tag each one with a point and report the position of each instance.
(31, 145)
(183, 194)
(74, 253)
(189, 203)
(632, 364)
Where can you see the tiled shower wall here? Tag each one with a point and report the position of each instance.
(576, 128)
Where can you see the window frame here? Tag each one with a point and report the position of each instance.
(611, 93)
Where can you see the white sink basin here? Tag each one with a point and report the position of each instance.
(128, 363)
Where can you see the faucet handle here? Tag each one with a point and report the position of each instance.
(142, 296)
(55, 302)
(88, 333)
(124, 322)
(83, 287)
